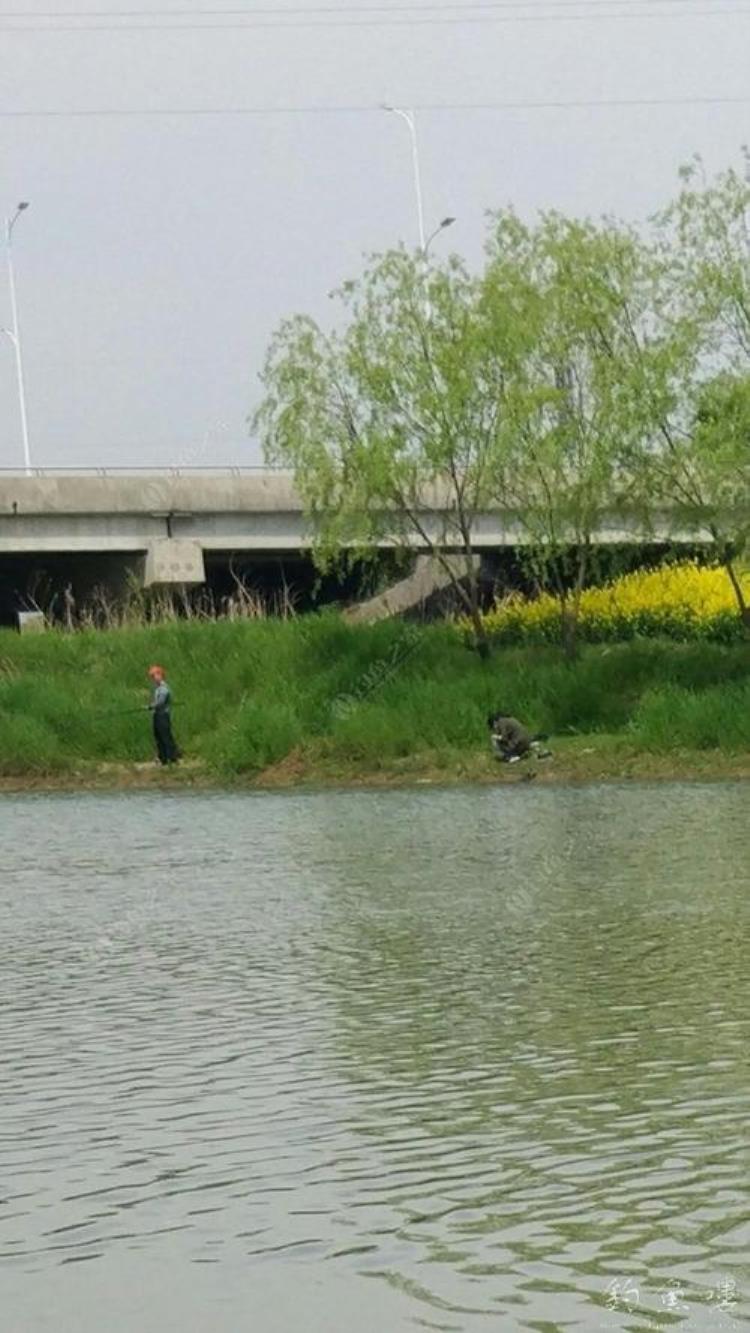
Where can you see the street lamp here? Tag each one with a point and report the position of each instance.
(408, 117)
(14, 334)
(446, 222)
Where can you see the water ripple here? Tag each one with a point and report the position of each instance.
(488, 1050)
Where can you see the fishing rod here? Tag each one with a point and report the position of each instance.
(126, 712)
(119, 712)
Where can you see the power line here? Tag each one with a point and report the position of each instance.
(356, 109)
(312, 11)
(253, 23)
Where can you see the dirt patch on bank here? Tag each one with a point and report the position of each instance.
(287, 772)
(603, 761)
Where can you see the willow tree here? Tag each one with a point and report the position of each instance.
(583, 387)
(394, 424)
(709, 475)
(703, 472)
(706, 234)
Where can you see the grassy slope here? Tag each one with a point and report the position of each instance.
(297, 701)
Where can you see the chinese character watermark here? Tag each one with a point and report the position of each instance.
(378, 674)
(623, 1294)
(724, 1295)
(671, 1296)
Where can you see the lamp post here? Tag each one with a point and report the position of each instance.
(14, 334)
(408, 117)
(446, 222)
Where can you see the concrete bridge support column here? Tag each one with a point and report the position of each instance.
(173, 560)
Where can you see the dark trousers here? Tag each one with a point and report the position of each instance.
(166, 746)
(509, 751)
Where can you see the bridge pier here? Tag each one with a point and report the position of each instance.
(172, 560)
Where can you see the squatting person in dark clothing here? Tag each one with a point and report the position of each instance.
(161, 710)
(511, 741)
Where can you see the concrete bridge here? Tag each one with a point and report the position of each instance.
(243, 509)
(168, 521)
(170, 526)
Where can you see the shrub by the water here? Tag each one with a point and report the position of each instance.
(677, 718)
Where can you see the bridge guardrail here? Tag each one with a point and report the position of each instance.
(229, 470)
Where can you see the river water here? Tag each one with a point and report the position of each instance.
(450, 1060)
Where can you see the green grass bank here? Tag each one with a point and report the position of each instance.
(317, 701)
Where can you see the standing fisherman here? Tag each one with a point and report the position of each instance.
(161, 708)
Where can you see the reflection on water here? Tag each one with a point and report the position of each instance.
(446, 1060)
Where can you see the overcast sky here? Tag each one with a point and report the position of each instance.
(159, 252)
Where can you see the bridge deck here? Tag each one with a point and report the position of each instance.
(220, 509)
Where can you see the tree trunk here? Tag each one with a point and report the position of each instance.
(568, 629)
(744, 609)
(471, 593)
(481, 640)
(571, 608)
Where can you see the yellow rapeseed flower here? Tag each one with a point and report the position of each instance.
(683, 601)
